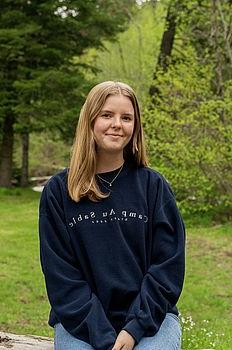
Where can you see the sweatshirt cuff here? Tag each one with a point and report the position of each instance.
(135, 330)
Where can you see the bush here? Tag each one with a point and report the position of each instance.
(189, 131)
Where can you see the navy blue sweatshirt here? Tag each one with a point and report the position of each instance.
(114, 264)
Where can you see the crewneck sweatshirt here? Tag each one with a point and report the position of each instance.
(113, 264)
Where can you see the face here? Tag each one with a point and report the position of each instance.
(114, 127)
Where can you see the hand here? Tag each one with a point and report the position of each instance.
(124, 341)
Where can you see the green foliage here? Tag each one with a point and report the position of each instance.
(48, 154)
(132, 58)
(41, 85)
(188, 130)
(207, 25)
(38, 39)
(189, 124)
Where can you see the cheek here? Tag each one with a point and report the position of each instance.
(96, 129)
(99, 127)
(130, 130)
(98, 133)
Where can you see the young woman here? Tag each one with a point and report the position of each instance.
(111, 237)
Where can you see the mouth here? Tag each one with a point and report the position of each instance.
(114, 135)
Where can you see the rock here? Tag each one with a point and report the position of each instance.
(24, 342)
(38, 188)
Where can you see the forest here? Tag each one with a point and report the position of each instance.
(177, 55)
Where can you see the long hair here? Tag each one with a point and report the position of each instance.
(82, 169)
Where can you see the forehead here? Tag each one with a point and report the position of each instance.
(118, 102)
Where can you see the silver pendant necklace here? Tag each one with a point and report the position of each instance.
(110, 183)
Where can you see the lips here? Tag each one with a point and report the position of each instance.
(114, 135)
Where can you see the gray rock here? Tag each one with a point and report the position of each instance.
(24, 342)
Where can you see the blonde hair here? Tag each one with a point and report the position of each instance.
(82, 170)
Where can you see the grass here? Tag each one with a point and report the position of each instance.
(205, 303)
(24, 306)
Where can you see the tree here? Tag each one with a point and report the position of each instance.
(190, 123)
(131, 57)
(166, 46)
(38, 40)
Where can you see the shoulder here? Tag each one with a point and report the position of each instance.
(57, 181)
(56, 188)
(151, 172)
(153, 175)
(157, 183)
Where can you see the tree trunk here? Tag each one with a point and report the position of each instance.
(217, 49)
(25, 155)
(166, 46)
(6, 160)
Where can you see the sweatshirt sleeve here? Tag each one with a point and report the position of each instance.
(163, 281)
(76, 306)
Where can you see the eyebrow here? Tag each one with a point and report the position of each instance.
(108, 111)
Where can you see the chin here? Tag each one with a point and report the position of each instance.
(113, 147)
(113, 150)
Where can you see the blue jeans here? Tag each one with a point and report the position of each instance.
(167, 338)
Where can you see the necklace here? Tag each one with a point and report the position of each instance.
(110, 183)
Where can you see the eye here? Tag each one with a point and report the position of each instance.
(106, 115)
(127, 118)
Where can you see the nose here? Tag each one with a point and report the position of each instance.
(116, 122)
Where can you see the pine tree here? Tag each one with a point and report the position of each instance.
(41, 86)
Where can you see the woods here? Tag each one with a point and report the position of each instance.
(41, 86)
(177, 55)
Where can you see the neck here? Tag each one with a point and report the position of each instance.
(107, 163)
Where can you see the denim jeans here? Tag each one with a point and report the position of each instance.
(168, 337)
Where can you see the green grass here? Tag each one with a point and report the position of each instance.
(205, 303)
(23, 307)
